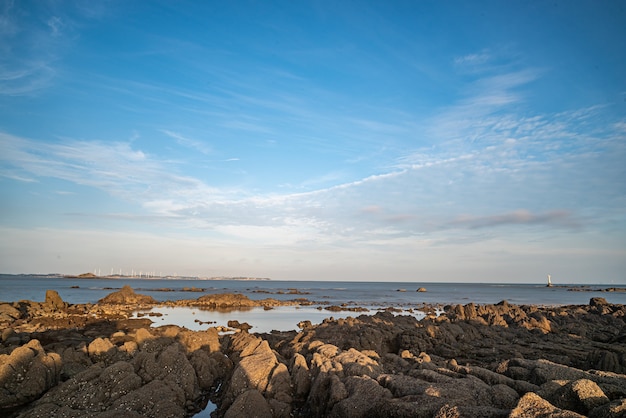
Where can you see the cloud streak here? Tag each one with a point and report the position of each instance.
(557, 218)
(187, 142)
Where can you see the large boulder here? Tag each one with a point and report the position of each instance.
(8, 313)
(170, 366)
(581, 395)
(532, 405)
(364, 394)
(253, 372)
(27, 373)
(126, 296)
(249, 404)
(54, 302)
(226, 300)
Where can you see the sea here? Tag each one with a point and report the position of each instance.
(374, 296)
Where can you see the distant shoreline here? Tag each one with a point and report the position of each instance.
(582, 287)
(118, 276)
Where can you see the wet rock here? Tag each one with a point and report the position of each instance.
(241, 326)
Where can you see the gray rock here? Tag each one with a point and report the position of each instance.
(171, 366)
(615, 409)
(54, 301)
(249, 404)
(532, 405)
(101, 349)
(355, 363)
(205, 340)
(364, 394)
(580, 396)
(126, 296)
(326, 390)
(27, 373)
(8, 313)
(300, 376)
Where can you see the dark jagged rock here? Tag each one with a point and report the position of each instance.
(238, 325)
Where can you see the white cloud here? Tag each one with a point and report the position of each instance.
(113, 167)
(27, 50)
(475, 59)
(188, 142)
(56, 25)
(488, 171)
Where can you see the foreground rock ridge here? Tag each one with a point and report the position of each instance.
(94, 360)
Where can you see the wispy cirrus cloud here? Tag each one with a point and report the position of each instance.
(474, 59)
(28, 50)
(195, 144)
(484, 154)
(115, 167)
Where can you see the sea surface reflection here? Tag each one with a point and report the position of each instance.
(283, 318)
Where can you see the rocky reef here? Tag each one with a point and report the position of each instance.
(61, 360)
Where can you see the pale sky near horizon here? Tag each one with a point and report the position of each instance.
(320, 140)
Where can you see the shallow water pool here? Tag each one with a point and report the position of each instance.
(283, 318)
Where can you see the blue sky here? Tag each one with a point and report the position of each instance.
(417, 141)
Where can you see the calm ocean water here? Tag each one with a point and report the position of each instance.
(367, 294)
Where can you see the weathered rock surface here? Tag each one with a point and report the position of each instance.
(126, 296)
(471, 361)
(27, 373)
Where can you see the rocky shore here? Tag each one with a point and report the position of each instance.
(94, 360)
